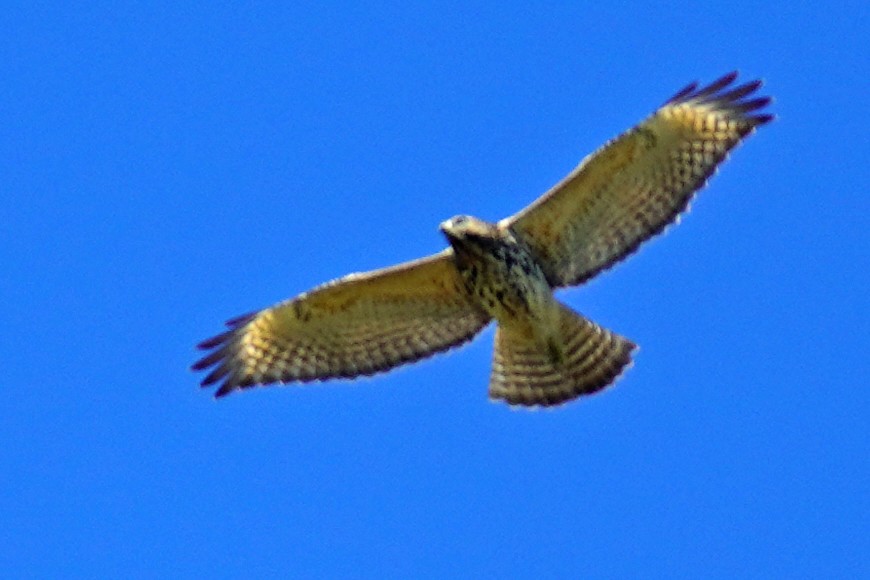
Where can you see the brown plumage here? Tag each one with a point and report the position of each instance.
(545, 354)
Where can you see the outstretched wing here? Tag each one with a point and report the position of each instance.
(638, 183)
(357, 325)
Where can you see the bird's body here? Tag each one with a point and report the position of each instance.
(499, 272)
(545, 353)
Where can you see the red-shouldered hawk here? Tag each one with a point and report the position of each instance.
(545, 353)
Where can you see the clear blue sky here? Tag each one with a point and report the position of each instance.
(165, 166)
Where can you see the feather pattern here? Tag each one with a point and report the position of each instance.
(637, 184)
(545, 354)
(357, 325)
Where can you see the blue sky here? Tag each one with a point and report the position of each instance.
(166, 166)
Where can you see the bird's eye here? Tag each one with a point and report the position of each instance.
(459, 220)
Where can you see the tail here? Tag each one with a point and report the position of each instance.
(581, 359)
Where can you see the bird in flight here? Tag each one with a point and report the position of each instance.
(545, 353)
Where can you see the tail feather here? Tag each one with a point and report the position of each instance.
(581, 359)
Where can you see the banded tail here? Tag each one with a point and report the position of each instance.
(583, 359)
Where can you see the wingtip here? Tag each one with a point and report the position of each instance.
(198, 366)
(754, 104)
(682, 93)
(738, 92)
(240, 320)
(220, 347)
(736, 99)
(716, 86)
(729, 77)
(215, 341)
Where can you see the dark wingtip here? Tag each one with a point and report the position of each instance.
(234, 382)
(215, 341)
(240, 320)
(682, 93)
(753, 104)
(740, 91)
(736, 100)
(729, 78)
(716, 85)
(216, 375)
(221, 354)
(724, 80)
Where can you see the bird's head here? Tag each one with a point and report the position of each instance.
(465, 228)
(469, 234)
(461, 226)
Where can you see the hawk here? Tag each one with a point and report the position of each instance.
(545, 353)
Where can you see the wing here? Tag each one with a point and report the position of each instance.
(638, 183)
(357, 325)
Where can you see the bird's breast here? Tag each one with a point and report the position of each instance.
(507, 282)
